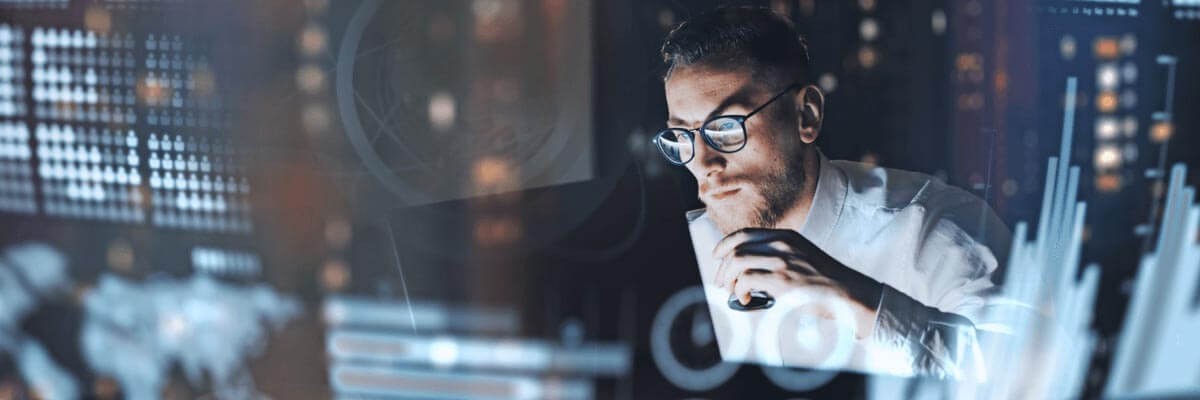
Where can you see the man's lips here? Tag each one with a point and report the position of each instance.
(724, 192)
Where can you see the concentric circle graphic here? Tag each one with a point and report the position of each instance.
(670, 317)
(428, 117)
(687, 310)
(774, 338)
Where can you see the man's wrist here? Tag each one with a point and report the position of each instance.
(868, 294)
(859, 287)
(932, 337)
(863, 289)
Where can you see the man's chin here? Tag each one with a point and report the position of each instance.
(729, 224)
(742, 210)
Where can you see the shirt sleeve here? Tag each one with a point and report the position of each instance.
(961, 255)
(937, 343)
(956, 266)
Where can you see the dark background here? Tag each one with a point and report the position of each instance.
(977, 104)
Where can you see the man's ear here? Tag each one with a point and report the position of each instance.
(810, 112)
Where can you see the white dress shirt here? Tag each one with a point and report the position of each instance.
(920, 237)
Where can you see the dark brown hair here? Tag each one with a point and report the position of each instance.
(733, 37)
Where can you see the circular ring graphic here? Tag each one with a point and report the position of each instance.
(537, 163)
(347, 54)
(798, 380)
(770, 331)
(672, 368)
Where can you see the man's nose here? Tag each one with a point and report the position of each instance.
(707, 159)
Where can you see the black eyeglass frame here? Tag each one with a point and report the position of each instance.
(691, 133)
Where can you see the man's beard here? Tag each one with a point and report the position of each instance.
(776, 193)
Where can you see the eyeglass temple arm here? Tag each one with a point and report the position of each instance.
(791, 87)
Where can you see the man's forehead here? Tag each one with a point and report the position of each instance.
(707, 80)
(694, 92)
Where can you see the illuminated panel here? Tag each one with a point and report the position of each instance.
(12, 82)
(178, 88)
(196, 183)
(1156, 354)
(401, 349)
(16, 183)
(139, 331)
(1019, 341)
(83, 77)
(16, 174)
(1096, 8)
(478, 353)
(221, 262)
(32, 4)
(358, 381)
(83, 80)
(378, 314)
(1186, 9)
(135, 4)
(90, 173)
(1115, 126)
(90, 90)
(1042, 273)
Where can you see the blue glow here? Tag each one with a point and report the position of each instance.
(134, 331)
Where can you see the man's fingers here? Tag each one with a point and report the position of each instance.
(822, 304)
(731, 241)
(804, 267)
(773, 248)
(750, 282)
(731, 267)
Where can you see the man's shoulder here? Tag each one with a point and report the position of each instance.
(927, 203)
(894, 188)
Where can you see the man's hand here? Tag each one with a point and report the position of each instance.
(779, 261)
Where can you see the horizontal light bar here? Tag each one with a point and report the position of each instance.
(609, 359)
(362, 312)
(354, 381)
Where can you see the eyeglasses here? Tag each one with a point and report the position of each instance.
(723, 133)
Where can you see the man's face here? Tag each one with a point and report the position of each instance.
(755, 186)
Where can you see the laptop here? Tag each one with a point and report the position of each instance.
(780, 330)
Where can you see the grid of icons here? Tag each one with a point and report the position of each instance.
(34, 4)
(89, 173)
(83, 77)
(16, 182)
(12, 88)
(196, 184)
(178, 89)
(116, 127)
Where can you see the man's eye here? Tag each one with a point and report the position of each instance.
(723, 126)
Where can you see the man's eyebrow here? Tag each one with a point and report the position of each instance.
(738, 98)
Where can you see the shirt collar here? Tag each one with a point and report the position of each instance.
(827, 204)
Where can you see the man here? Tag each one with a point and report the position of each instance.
(910, 257)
